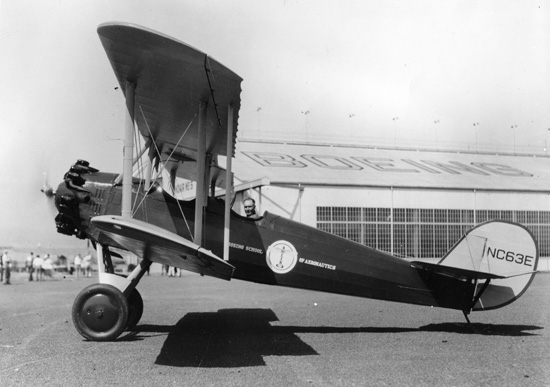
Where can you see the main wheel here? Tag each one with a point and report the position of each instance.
(135, 309)
(100, 312)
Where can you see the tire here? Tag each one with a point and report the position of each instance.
(100, 312)
(135, 309)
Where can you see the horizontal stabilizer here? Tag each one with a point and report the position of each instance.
(454, 272)
(463, 274)
(159, 245)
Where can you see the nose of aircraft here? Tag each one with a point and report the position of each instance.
(68, 196)
(66, 202)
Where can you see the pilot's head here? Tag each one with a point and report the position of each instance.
(249, 207)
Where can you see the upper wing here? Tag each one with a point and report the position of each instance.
(172, 79)
(159, 245)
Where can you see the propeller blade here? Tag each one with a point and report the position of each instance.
(46, 187)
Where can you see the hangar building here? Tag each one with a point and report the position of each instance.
(411, 203)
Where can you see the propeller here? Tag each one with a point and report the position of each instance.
(47, 188)
(49, 192)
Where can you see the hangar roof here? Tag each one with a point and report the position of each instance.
(334, 165)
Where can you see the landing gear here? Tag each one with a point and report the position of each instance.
(100, 312)
(135, 309)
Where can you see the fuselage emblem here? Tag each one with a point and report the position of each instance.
(281, 257)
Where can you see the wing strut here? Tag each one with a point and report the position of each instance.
(126, 206)
(228, 183)
(201, 170)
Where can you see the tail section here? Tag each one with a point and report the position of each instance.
(503, 258)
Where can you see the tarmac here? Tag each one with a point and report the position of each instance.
(199, 331)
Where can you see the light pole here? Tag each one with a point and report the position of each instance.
(395, 119)
(436, 122)
(305, 113)
(514, 132)
(351, 115)
(258, 110)
(476, 124)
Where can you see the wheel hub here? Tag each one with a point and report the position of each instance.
(100, 313)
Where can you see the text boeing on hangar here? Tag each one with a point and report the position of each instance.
(267, 159)
(308, 164)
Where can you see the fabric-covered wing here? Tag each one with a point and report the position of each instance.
(159, 245)
(171, 80)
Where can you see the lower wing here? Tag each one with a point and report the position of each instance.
(159, 245)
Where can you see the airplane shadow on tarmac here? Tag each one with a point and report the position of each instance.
(243, 337)
(482, 329)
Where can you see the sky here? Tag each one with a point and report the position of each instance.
(431, 74)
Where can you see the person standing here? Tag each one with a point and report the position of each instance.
(6, 263)
(87, 265)
(77, 264)
(37, 266)
(28, 265)
(47, 267)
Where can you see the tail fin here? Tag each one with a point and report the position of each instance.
(504, 254)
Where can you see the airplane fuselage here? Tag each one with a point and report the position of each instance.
(270, 250)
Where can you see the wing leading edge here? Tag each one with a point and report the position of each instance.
(159, 245)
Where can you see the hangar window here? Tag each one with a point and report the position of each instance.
(544, 240)
(384, 215)
(370, 214)
(454, 216)
(384, 241)
(426, 216)
(422, 233)
(399, 214)
(507, 215)
(440, 216)
(324, 214)
(354, 214)
(482, 216)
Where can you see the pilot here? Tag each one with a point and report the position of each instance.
(250, 208)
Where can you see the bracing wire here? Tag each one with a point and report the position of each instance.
(163, 166)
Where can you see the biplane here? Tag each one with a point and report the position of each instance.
(181, 117)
